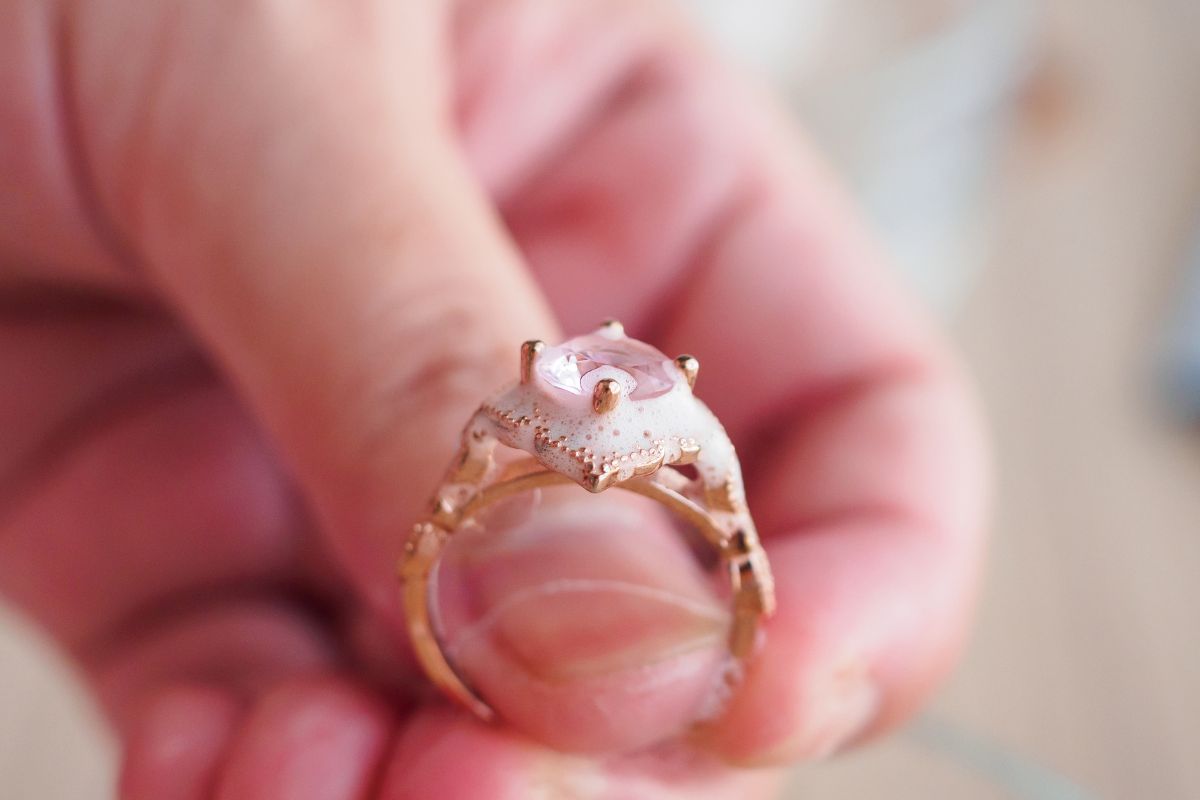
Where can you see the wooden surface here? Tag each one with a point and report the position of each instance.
(1086, 658)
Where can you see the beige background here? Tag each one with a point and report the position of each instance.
(1086, 656)
(1086, 659)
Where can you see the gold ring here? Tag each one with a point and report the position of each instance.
(602, 410)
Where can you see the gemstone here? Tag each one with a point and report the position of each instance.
(568, 365)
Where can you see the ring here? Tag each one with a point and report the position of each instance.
(601, 410)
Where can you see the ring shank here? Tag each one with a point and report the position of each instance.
(749, 574)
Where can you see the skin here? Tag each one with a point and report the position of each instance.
(259, 261)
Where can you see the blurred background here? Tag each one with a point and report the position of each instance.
(1034, 167)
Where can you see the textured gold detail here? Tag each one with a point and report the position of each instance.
(743, 634)
(751, 592)
(507, 419)
(749, 572)
(690, 368)
(740, 543)
(689, 451)
(543, 440)
(471, 466)
(650, 466)
(443, 514)
(600, 482)
(478, 478)
(721, 498)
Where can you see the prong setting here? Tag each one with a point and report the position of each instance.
(601, 410)
(529, 354)
(606, 395)
(598, 482)
(689, 452)
(613, 328)
(690, 368)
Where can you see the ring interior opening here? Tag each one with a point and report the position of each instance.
(558, 581)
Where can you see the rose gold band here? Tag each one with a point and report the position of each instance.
(736, 544)
(600, 410)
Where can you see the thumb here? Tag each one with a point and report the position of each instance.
(297, 194)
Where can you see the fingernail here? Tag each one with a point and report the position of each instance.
(582, 589)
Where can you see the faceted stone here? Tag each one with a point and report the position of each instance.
(565, 366)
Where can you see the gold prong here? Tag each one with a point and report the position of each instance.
(648, 467)
(690, 368)
(743, 635)
(444, 515)
(424, 541)
(529, 354)
(720, 497)
(688, 453)
(471, 465)
(606, 395)
(600, 482)
(740, 543)
(613, 327)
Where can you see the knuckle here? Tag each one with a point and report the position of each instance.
(437, 356)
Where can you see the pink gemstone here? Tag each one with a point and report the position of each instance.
(565, 366)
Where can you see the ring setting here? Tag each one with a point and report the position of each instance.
(602, 411)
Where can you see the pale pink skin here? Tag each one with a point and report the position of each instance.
(196, 196)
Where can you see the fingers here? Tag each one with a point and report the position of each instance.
(143, 521)
(613, 221)
(45, 229)
(792, 299)
(322, 238)
(871, 507)
(156, 487)
(318, 738)
(870, 617)
(862, 449)
(436, 745)
(311, 740)
(866, 465)
(311, 283)
(588, 625)
(579, 56)
(364, 300)
(246, 646)
(176, 749)
(328, 739)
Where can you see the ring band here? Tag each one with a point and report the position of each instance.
(602, 410)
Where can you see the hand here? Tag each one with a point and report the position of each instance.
(259, 261)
